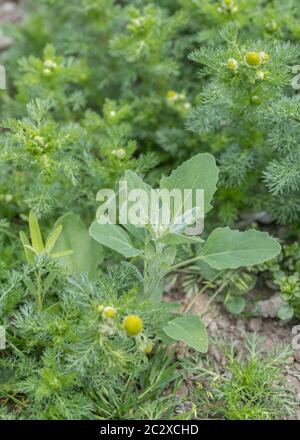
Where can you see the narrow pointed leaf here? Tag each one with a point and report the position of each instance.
(35, 233)
(28, 253)
(62, 254)
(52, 239)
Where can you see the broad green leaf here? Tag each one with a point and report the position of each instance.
(86, 254)
(230, 249)
(138, 233)
(174, 239)
(134, 182)
(189, 329)
(35, 233)
(28, 253)
(235, 304)
(114, 237)
(285, 312)
(199, 172)
(52, 239)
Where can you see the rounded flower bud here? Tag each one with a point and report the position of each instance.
(172, 95)
(148, 347)
(109, 312)
(255, 99)
(232, 64)
(133, 325)
(120, 153)
(100, 308)
(264, 57)
(39, 140)
(253, 59)
(272, 26)
(260, 75)
(50, 64)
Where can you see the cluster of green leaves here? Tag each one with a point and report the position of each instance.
(124, 86)
(67, 360)
(83, 109)
(249, 115)
(284, 272)
(247, 386)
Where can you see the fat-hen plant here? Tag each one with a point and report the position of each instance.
(156, 243)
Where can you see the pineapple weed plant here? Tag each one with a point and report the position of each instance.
(170, 94)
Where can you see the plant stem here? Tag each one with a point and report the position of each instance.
(184, 263)
(39, 291)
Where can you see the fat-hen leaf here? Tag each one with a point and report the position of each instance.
(114, 237)
(230, 249)
(199, 172)
(189, 329)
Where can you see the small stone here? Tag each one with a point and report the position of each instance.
(255, 325)
(213, 327)
(240, 325)
(214, 352)
(297, 355)
(5, 42)
(270, 307)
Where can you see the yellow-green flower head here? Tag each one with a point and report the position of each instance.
(232, 64)
(172, 95)
(100, 308)
(133, 325)
(253, 59)
(229, 6)
(109, 312)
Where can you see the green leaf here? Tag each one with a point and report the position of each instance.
(174, 239)
(285, 312)
(235, 304)
(35, 233)
(62, 254)
(138, 232)
(114, 237)
(86, 254)
(230, 249)
(28, 253)
(199, 172)
(240, 283)
(134, 182)
(52, 239)
(189, 329)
